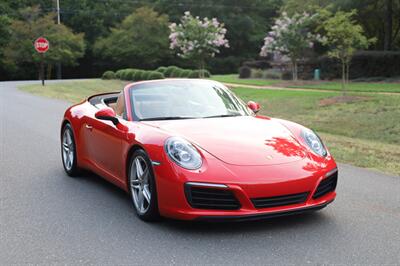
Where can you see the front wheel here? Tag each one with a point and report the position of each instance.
(68, 151)
(143, 187)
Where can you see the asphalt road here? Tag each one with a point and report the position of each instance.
(49, 218)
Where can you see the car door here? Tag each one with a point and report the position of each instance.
(104, 146)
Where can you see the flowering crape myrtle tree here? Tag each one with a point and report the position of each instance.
(290, 37)
(197, 39)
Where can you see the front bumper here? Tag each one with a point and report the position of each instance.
(260, 182)
(262, 216)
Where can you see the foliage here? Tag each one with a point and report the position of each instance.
(138, 75)
(185, 73)
(364, 64)
(202, 73)
(344, 36)
(290, 36)
(130, 74)
(65, 46)
(244, 72)
(108, 75)
(4, 31)
(141, 40)
(155, 75)
(176, 73)
(118, 73)
(169, 70)
(197, 39)
(161, 69)
(126, 74)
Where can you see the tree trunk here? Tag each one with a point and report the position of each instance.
(387, 45)
(202, 65)
(294, 69)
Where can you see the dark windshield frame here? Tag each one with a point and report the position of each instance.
(152, 84)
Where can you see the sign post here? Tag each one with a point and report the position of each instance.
(41, 46)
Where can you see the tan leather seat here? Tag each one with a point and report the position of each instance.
(120, 104)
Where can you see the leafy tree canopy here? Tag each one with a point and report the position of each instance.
(141, 40)
(65, 46)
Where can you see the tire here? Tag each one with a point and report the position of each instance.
(142, 187)
(68, 151)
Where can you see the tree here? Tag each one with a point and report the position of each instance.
(344, 36)
(5, 32)
(65, 46)
(197, 39)
(246, 22)
(290, 36)
(388, 25)
(141, 40)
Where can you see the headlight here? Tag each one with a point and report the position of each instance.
(314, 142)
(183, 153)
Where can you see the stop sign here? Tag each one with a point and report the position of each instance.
(41, 45)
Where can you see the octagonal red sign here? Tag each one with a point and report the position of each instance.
(41, 45)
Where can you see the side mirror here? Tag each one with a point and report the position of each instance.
(255, 107)
(107, 113)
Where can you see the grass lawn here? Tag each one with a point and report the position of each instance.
(75, 91)
(353, 86)
(365, 132)
(322, 85)
(234, 78)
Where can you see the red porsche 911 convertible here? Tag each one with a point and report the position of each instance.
(190, 149)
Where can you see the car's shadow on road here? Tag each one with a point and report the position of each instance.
(271, 224)
(306, 220)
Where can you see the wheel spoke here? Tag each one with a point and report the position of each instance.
(140, 199)
(65, 147)
(135, 184)
(69, 139)
(145, 176)
(139, 169)
(146, 193)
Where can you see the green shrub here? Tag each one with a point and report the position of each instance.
(244, 72)
(272, 74)
(257, 73)
(146, 75)
(138, 75)
(118, 73)
(169, 70)
(176, 73)
(130, 74)
(108, 75)
(185, 73)
(126, 73)
(200, 74)
(161, 69)
(155, 75)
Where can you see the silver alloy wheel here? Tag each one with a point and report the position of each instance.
(140, 186)
(68, 149)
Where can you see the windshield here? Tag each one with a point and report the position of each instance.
(184, 99)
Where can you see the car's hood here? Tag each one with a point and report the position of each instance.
(241, 140)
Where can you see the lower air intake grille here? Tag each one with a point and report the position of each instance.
(327, 185)
(211, 198)
(279, 200)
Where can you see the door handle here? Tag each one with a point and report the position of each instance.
(89, 127)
